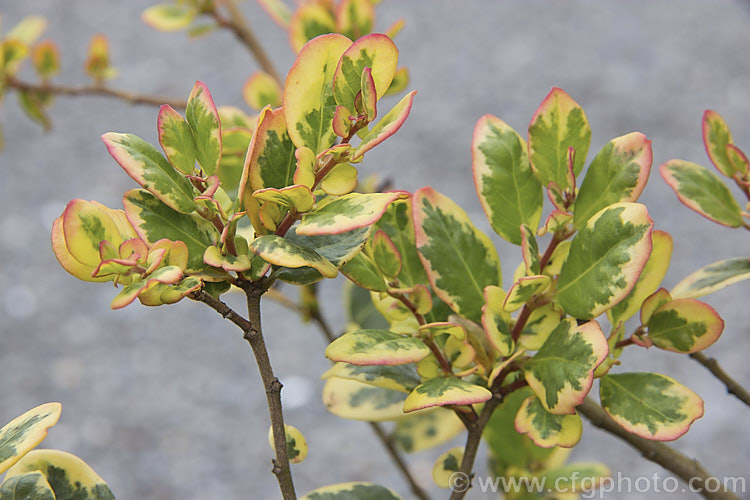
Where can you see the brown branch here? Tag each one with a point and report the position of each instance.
(237, 24)
(733, 387)
(252, 332)
(684, 467)
(95, 90)
(396, 457)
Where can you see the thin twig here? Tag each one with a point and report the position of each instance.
(251, 328)
(95, 90)
(733, 387)
(682, 466)
(237, 24)
(396, 457)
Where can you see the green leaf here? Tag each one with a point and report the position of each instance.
(354, 400)
(713, 277)
(375, 51)
(297, 197)
(619, 172)
(530, 252)
(308, 102)
(650, 405)
(337, 248)
(24, 432)
(282, 252)
(652, 275)
(443, 391)
(351, 491)
(146, 165)
(547, 429)
(508, 190)
(401, 378)
(153, 220)
(376, 347)
(446, 466)
(348, 212)
(28, 486)
(524, 289)
(363, 271)
(398, 224)
(68, 476)
(652, 303)
(702, 191)
(539, 326)
(558, 124)
(605, 260)
(204, 121)
(716, 137)
(495, 320)
(361, 312)
(176, 140)
(684, 325)
(46, 58)
(423, 431)
(385, 255)
(460, 260)
(386, 126)
(562, 371)
(168, 17)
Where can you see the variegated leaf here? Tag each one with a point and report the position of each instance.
(652, 275)
(361, 312)
(446, 466)
(716, 138)
(146, 165)
(297, 197)
(426, 430)
(363, 271)
(562, 371)
(652, 303)
(530, 251)
(165, 275)
(508, 190)
(68, 476)
(376, 347)
(169, 17)
(24, 432)
(278, 11)
(310, 21)
(702, 191)
(337, 248)
(539, 326)
(713, 277)
(341, 180)
(650, 405)
(605, 260)
(385, 255)
(261, 90)
(619, 172)
(355, 18)
(400, 79)
(350, 491)
(386, 126)
(28, 486)
(558, 124)
(28, 29)
(204, 121)
(460, 260)
(351, 211)
(308, 102)
(443, 391)
(355, 400)
(523, 290)
(296, 444)
(547, 429)
(153, 221)
(282, 252)
(684, 325)
(455, 330)
(375, 51)
(495, 320)
(576, 478)
(46, 58)
(176, 139)
(398, 225)
(401, 378)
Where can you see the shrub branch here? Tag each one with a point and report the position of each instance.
(733, 387)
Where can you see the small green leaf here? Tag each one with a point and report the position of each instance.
(702, 191)
(605, 260)
(204, 121)
(684, 325)
(282, 252)
(348, 212)
(386, 126)
(652, 303)
(460, 260)
(713, 277)
(376, 347)
(558, 124)
(28, 486)
(617, 173)
(351, 491)
(297, 197)
(363, 271)
(46, 58)
(24, 432)
(716, 138)
(68, 476)
(524, 289)
(508, 190)
(547, 429)
(562, 371)
(176, 139)
(153, 220)
(146, 165)
(385, 255)
(401, 378)
(650, 405)
(443, 391)
(398, 224)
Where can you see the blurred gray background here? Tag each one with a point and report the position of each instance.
(166, 403)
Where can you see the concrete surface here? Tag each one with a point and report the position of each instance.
(166, 404)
